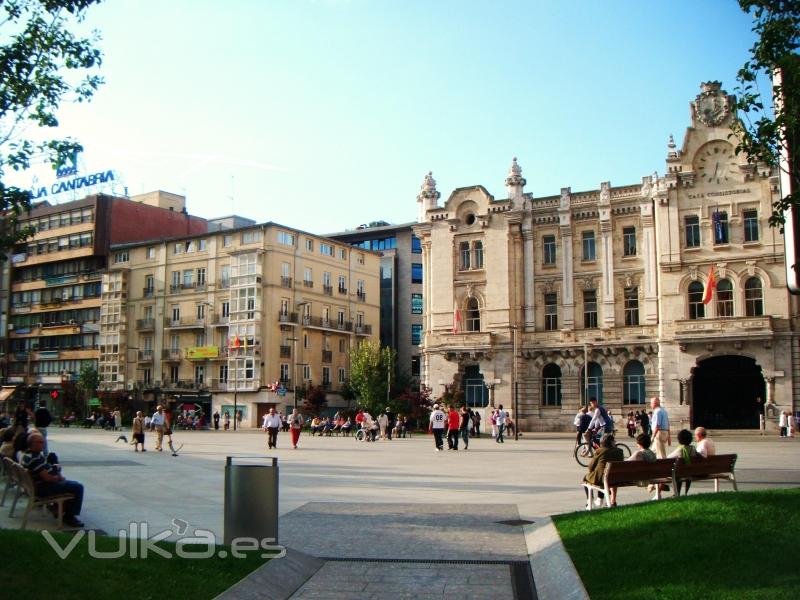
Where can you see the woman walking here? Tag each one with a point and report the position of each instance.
(296, 425)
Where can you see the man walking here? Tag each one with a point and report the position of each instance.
(437, 426)
(216, 420)
(392, 420)
(272, 423)
(157, 423)
(42, 420)
(660, 424)
(466, 422)
(453, 422)
(500, 418)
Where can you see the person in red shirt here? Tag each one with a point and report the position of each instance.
(453, 422)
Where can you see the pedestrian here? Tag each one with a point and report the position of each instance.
(42, 420)
(783, 424)
(493, 421)
(501, 417)
(226, 421)
(581, 422)
(216, 420)
(296, 425)
(271, 424)
(465, 426)
(790, 424)
(644, 421)
(284, 424)
(239, 419)
(476, 418)
(661, 434)
(437, 420)
(157, 423)
(117, 419)
(392, 422)
(383, 423)
(138, 432)
(453, 422)
(631, 425)
(21, 417)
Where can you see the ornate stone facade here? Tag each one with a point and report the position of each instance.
(520, 292)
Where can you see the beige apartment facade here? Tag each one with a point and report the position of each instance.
(236, 319)
(521, 294)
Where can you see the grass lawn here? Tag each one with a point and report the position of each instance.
(34, 570)
(732, 545)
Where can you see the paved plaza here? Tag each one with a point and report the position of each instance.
(361, 506)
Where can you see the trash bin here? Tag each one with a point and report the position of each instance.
(251, 498)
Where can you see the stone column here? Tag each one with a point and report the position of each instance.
(650, 263)
(607, 246)
(528, 267)
(567, 293)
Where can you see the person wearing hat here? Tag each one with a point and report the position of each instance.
(157, 422)
(437, 426)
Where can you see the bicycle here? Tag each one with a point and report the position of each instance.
(585, 452)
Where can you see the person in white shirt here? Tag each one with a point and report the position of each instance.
(704, 446)
(783, 424)
(436, 425)
(157, 422)
(272, 423)
(501, 417)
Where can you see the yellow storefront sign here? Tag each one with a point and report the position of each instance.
(202, 352)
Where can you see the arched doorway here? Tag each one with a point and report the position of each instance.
(726, 392)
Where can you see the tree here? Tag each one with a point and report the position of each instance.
(42, 64)
(761, 137)
(371, 368)
(88, 380)
(315, 400)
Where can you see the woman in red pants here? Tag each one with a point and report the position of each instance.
(296, 424)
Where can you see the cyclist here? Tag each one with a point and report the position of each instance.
(601, 421)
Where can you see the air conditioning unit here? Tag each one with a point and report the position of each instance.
(72, 322)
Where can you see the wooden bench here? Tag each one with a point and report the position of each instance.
(633, 473)
(25, 486)
(716, 467)
(10, 480)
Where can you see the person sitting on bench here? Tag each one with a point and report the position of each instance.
(49, 481)
(608, 452)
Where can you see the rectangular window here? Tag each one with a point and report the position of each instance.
(225, 276)
(549, 249)
(173, 374)
(342, 254)
(309, 244)
(201, 276)
(121, 257)
(629, 241)
(416, 272)
(416, 304)
(719, 222)
(307, 372)
(284, 237)
(477, 249)
(199, 374)
(692, 226)
(150, 253)
(227, 240)
(342, 284)
(342, 375)
(284, 372)
(226, 309)
(326, 249)
(223, 373)
(176, 312)
(550, 312)
(463, 248)
(342, 345)
(750, 225)
(251, 237)
(590, 309)
(201, 313)
(307, 277)
(326, 375)
(416, 245)
(415, 366)
(202, 245)
(589, 252)
(416, 334)
(631, 306)
(188, 278)
(177, 248)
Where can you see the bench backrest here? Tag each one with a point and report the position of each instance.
(23, 477)
(631, 471)
(703, 467)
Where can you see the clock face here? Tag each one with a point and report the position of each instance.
(716, 163)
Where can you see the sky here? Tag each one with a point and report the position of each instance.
(326, 114)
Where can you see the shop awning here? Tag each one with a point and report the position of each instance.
(6, 391)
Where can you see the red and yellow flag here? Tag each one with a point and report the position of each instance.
(710, 286)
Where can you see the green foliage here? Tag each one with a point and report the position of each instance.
(371, 367)
(42, 64)
(763, 138)
(88, 380)
(314, 400)
(729, 545)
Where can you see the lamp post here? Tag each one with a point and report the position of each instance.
(586, 347)
(300, 319)
(294, 367)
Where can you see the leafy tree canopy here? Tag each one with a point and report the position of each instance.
(765, 138)
(371, 369)
(42, 64)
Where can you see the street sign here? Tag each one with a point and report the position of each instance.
(281, 391)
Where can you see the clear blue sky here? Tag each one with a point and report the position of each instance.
(326, 114)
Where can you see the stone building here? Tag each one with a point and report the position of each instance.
(239, 317)
(522, 293)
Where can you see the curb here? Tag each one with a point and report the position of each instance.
(554, 573)
(276, 580)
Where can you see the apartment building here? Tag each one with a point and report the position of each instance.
(400, 285)
(236, 319)
(53, 321)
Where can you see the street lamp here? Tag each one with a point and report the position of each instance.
(300, 318)
(586, 347)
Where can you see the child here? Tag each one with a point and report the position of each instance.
(686, 452)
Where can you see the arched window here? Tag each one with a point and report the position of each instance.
(697, 309)
(753, 297)
(551, 385)
(724, 298)
(593, 384)
(473, 315)
(633, 391)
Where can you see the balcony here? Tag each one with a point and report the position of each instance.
(362, 329)
(327, 356)
(327, 290)
(229, 385)
(286, 282)
(174, 288)
(145, 356)
(224, 284)
(362, 296)
(148, 292)
(220, 385)
(184, 384)
(145, 324)
(185, 323)
(220, 321)
(342, 290)
(308, 284)
(286, 351)
(284, 317)
(171, 354)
